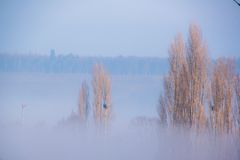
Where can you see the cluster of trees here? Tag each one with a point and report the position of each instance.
(198, 93)
(70, 63)
(101, 85)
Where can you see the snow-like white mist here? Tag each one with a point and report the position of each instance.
(136, 142)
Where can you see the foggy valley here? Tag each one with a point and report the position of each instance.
(119, 80)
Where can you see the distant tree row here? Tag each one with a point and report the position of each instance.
(198, 93)
(70, 63)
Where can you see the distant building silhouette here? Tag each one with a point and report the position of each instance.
(52, 54)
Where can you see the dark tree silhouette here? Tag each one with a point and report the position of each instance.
(237, 2)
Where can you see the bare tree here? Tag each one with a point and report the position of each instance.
(97, 92)
(106, 99)
(191, 87)
(237, 92)
(198, 62)
(102, 95)
(176, 84)
(84, 105)
(176, 89)
(162, 111)
(222, 95)
(185, 87)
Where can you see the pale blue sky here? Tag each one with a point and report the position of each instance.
(115, 27)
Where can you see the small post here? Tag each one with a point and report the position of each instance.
(22, 108)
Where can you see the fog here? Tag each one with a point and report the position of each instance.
(134, 142)
(51, 97)
(51, 128)
(104, 90)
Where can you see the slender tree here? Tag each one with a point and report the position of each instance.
(176, 83)
(185, 86)
(106, 99)
(97, 92)
(222, 95)
(237, 92)
(84, 105)
(162, 111)
(102, 95)
(198, 62)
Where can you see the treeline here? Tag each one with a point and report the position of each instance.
(200, 94)
(70, 63)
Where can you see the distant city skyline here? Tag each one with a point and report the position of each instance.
(116, 27)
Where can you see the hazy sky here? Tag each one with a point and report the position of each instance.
(115, 27)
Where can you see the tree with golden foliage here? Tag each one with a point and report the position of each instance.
(101, 84)
(191, 87)
(106, 100)
(84, 105)
(198, 64)
(222, 95)
(237, 92)
(176, 83)
(185, 85)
